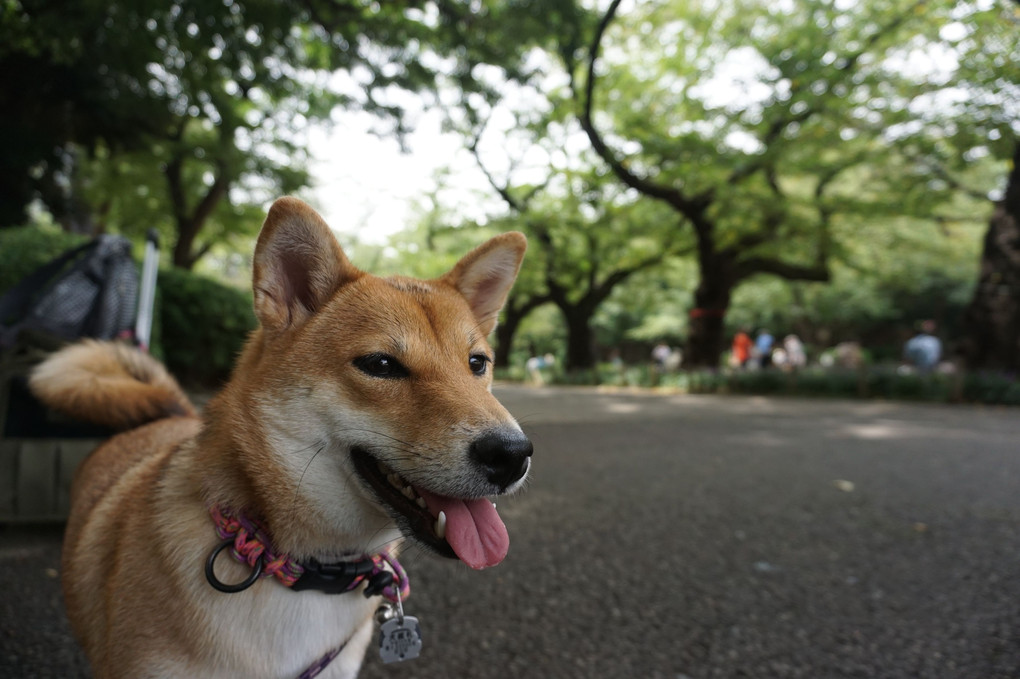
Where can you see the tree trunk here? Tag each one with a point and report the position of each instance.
(190, 223)
(706, 337)
(513, 316)
(580, 342)
(992, 319)
(182, 253)
(505, 332)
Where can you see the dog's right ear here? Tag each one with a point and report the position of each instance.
(298, 265)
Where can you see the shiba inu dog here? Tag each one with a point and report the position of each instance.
(359, 415)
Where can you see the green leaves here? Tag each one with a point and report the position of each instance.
(205, 104)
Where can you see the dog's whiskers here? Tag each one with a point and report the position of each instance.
(297, 490)
(379, 433)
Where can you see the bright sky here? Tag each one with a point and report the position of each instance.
(366, 186)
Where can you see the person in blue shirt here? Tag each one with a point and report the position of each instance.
(763, 343)
(923, 350)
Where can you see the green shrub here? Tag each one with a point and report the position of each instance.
(203, 325)
(24, 249)
(991, 388)
(199, 325)
(883, 382)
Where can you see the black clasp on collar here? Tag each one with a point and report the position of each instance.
(338, 578)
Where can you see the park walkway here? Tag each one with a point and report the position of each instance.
(685, 537)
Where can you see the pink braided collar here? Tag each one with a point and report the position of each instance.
(250, 544)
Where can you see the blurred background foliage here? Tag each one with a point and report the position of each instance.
(199, 323)
(683, 169)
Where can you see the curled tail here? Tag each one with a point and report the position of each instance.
(110, 384)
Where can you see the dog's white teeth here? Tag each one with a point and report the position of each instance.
(493, 504)
(400, 484)
(441, 525)
(421, 503)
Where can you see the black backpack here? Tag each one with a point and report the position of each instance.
(89, 291)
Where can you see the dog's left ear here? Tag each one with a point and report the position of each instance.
(485, 275)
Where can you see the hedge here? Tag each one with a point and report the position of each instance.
(200, 324)
(204, 325)
(883, 382)
(24, 249)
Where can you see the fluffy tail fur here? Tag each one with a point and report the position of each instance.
(109, 384)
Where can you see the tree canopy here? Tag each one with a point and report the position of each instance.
(785, 139)
(759, 149)
(185, 112)
(770, 129)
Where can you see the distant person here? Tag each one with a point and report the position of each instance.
(763, 344)
(741, 349)
(616, 359)
(923, 350)
(675, 359)
(660, 356)
(619, 367)
(847, 355)
(534, 366)
(796, 358)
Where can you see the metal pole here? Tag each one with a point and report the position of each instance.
(146, 300)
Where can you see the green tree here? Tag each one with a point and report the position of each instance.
(210, 98)
(766, 127)
(992, 319)
(986, 127)
(589, 240)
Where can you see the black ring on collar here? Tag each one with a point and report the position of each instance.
(210, 573)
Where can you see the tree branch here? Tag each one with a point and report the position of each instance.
(502, 190)
(175, 187)
(530, 303)
(213, 196)
(943, 174)
(669, 194)
(202, 251)
(557, 292)
(519, 205)
(794, 272)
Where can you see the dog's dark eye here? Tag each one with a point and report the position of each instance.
(478, 363)
(380, 365)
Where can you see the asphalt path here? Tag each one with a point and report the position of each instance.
(682, 537)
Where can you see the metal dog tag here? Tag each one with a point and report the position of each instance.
(401, 639)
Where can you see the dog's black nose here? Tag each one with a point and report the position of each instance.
(504, 455)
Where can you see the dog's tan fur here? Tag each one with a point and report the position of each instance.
(275, 443)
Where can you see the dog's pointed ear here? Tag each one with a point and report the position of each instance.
(485, 275)
(298, 265)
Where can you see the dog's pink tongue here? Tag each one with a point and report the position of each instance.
(473, 529)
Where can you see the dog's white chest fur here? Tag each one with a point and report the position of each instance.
(276, 632)
(286, 632)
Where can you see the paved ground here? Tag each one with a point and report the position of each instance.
(686, 537)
